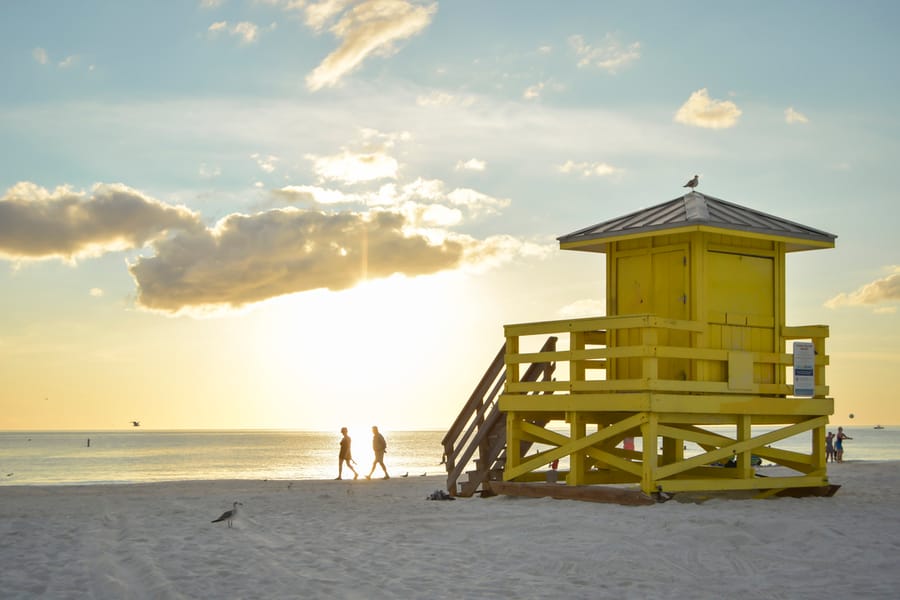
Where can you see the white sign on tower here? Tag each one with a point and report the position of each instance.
(804, 369)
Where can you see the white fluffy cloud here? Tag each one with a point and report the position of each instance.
(424, 202)
(473, 164)
(251, 258)
(266, 163)
(36, 223)
(610, 55)
(791, 116)
(589, 169)
(877, 293)
(355, 167)
(533, 91)
(245, 31)
(702, 111)
(312, 194)
(363, 28)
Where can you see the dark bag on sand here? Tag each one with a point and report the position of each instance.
(439, 495)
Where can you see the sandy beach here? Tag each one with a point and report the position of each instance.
(383, 539)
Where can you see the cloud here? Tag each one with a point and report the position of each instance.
(791, 116)
(473, 164)
(211, 3)
(266, 163)
(498, 250)
(319, 13)
(533, 91)
(589, 169)
(246, 31)
(366, 28)
(702, 111)
(423, 202)
(878, 292)
(477, 203)
(610, 55)
(68, 61)
(247, 259)
(36, 223)
(40, 56)
(433, 192)
(355, 167)
(311, 194)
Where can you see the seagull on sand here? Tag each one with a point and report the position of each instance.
(693, 182)
(228, 515)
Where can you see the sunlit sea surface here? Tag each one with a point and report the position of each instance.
(133, 456)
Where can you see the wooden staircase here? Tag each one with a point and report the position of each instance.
(481, 427)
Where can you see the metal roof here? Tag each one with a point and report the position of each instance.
(696, 210)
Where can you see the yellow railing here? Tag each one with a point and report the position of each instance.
(652, 345)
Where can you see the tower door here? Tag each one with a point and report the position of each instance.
(741, 307)
(653, 283)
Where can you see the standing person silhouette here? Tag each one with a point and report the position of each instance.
(379, 445)
(345, 455)
(839, 444)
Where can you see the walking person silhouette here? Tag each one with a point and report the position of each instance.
(379, 445)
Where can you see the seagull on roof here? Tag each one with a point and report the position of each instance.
(693, 182)
(229, 515)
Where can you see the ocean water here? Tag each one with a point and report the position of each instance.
(54, 458)
(134, 456)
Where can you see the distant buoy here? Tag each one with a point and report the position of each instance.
(851, 415)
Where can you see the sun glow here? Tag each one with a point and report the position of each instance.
(367, 366)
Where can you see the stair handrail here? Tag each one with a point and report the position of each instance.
(481, 415)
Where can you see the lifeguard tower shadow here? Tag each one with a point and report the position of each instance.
(694, 350)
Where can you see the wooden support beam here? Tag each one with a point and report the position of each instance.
(726, 451)
(566, 446)
(649, 434)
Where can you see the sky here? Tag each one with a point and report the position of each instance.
(300, 214)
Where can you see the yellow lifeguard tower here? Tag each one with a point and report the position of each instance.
(695, 362)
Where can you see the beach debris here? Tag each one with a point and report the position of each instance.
(662, 496)
(439, 495)
(229, 515)
(135, 423)
(693, 182)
